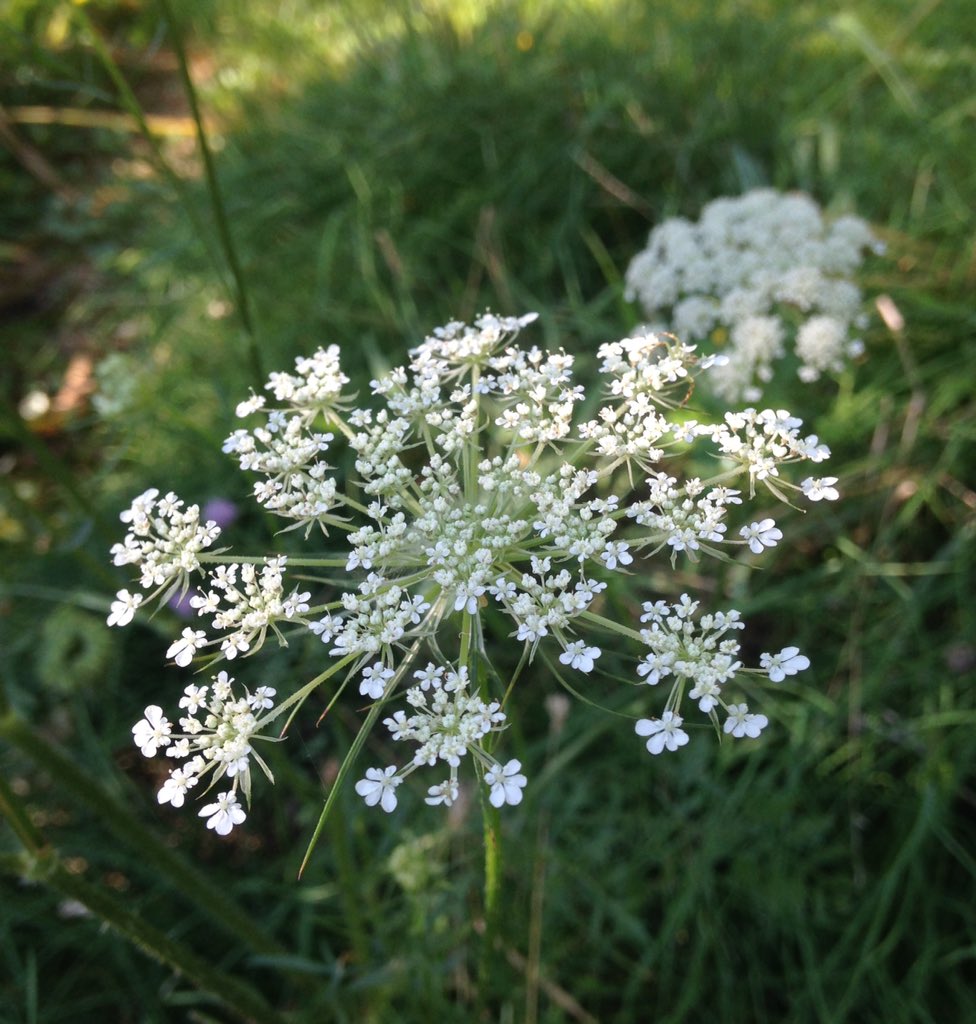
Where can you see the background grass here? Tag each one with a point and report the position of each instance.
(385, 168)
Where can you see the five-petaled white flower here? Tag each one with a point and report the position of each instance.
(665, 733)
(740, 723)
(379, 787)
(223, 814)
(375, 678)
(182, 650)
(124, 608)
(763, 534)
(261, 698)
(152, 731)
(617, 551)
(506, 783)
(820, 490)
(788, 662)
(174, 789)
(578, 655)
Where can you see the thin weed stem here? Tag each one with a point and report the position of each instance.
(216, 197)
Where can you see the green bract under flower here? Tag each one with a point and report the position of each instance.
(478, 483)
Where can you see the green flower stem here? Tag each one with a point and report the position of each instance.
(13, 810)
(469, 656)
(305, 563)
(132, 105)
(350, 886)
(216, 198)
(493, 867)
(118, 819)
(357, 743)
(347, 762)
(44, 866)
(613, 627)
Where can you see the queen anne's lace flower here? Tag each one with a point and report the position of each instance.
(762, 268)
(761, 535)
(164, 540)
(664, 733)
(379, 787)
(506, 783)
(215, 738)
(223, 814)
(124, 608)
(481, 496)
(788, 662)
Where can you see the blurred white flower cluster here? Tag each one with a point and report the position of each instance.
(482, 505)
(761, 272)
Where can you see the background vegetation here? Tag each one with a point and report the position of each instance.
(383, 168)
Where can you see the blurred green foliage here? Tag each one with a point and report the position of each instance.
(385, 168)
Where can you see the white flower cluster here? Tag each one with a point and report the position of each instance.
(215, 740)
(165, 540)
(763, 269)
(447, 725)
(701, 656)
(481, 488)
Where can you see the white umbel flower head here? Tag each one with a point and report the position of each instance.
(769, 271)
(480, 497)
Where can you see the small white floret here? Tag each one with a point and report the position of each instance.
(578, 655)
(740, 723)
(664, 733)
(822, 489)
(124, 608)
(379, 787)
(788, 662)
(182, 650)
(446, 793)
(761, 535)
(374, 682)
(506, 783)
(152, 731)
(224, 813)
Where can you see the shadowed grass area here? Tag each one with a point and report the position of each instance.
(384, 171)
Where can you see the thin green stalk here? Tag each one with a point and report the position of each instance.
(216, 198)
(17, 817)
(134, 108)
(469, 656)
(493, 868)
(353, 753)
(350, 889)
(239, 997)
(119, 820)
(238, 292)
(357, 744)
